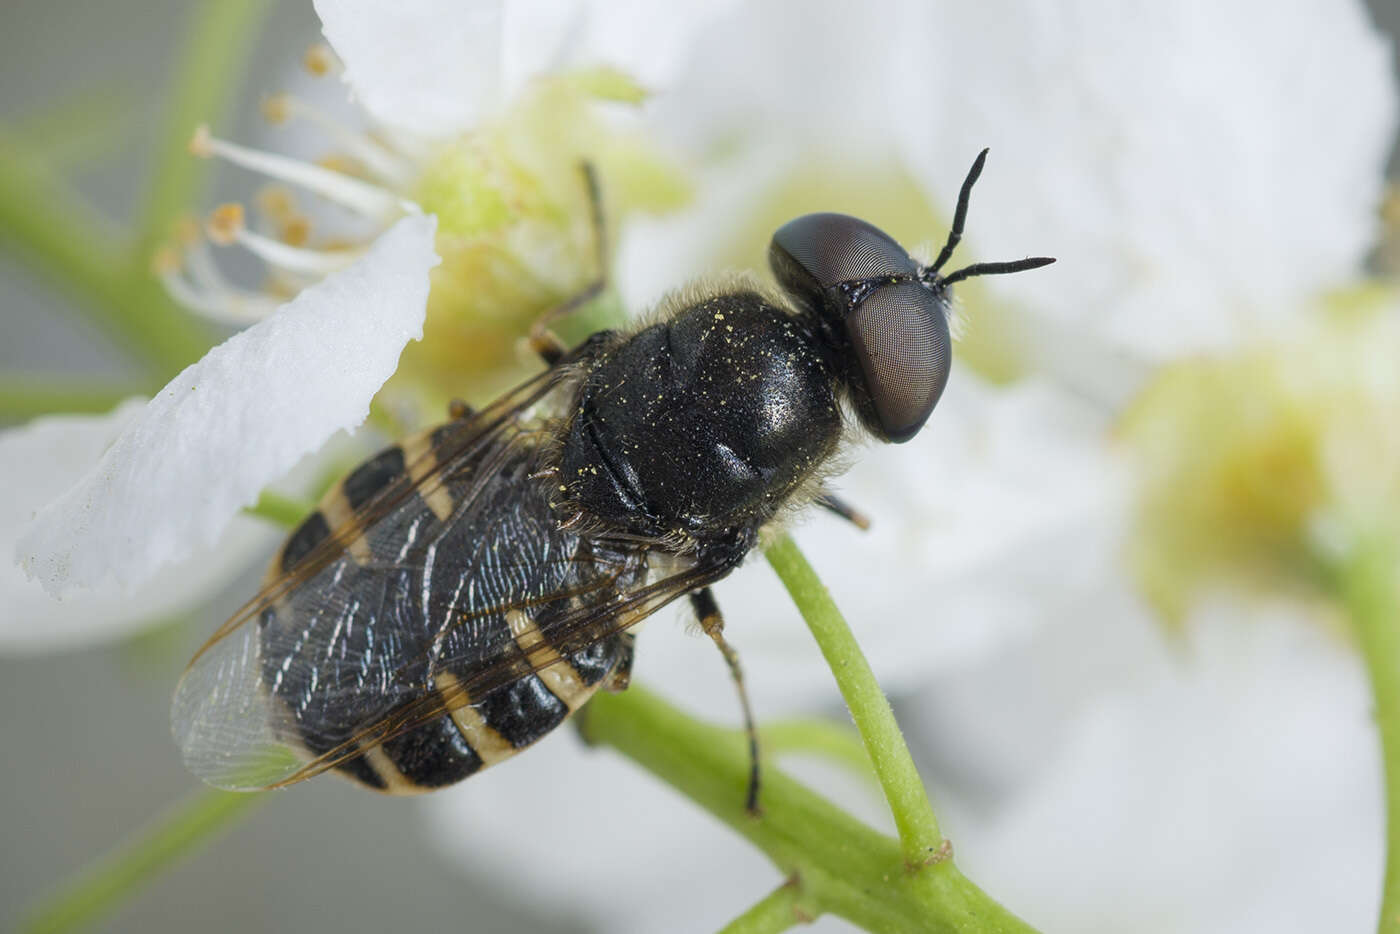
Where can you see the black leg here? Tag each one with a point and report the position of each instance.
(544, 341)
(707, 611)
(845, 510)
(621, 676)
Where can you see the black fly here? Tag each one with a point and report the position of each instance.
(458, 595)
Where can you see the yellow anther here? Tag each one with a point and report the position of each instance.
(277, 108)
(277, 202)
(319, 60)
(165, 261)
(225, 223)
(202, 143)
(295, 231)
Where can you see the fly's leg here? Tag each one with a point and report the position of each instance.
(545, 342)
(615, 681)
(459, 411)
(845, 510)
(621, 676)
(712, 623)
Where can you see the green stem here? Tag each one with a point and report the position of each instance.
(218, 38)
(76, 247)
(84, 128)
(285, 511)
(824, 738)
(1369, 587)
(919, 835)
(845, 867)
(104, 270)
(24, 396)
(779, 911)
(99, 890)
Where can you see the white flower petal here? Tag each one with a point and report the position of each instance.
(809, 75)
(237, 420)
(425, 66)
(39, 461)
(1231, 787)
(649, 41)
(1200, 170)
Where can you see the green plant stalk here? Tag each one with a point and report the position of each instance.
(217, 43)
(218, 38)
(1369, 588)
(105, 270)
(919, 835)
(77, 249)
(284, 511)
(824, 738)
(102, 887)
(778, 911)
(842, 866)
(24, 396)
(84, 128)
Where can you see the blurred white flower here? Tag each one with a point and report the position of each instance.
(435, 68)
(1228, 782)
(41, 461)
(1204, 170)
(1168, 155)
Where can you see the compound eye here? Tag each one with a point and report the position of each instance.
(817, 251)
(900, 337)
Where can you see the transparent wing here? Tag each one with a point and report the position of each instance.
(236, 732)
(409, 609)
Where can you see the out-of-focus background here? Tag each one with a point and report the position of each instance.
(88, 757)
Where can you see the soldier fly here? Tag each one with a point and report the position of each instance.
(460, 593)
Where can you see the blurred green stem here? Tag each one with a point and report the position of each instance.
(842, 866)
(823, 738)
(98, 891)
(25, 395)
(278, 509)
(779, 911)
(904, 789)
(105, 270)
(1369, 588)
(218, 38)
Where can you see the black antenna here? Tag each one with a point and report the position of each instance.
(996, 269)
(960, 214)
(929, 274)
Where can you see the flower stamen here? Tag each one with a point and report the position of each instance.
(319, 60)
(217, 303)
(381, 162)
(278, 206)
(197, 258)
(370, 201)
(226, 226)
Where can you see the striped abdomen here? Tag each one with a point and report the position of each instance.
(462, 582)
